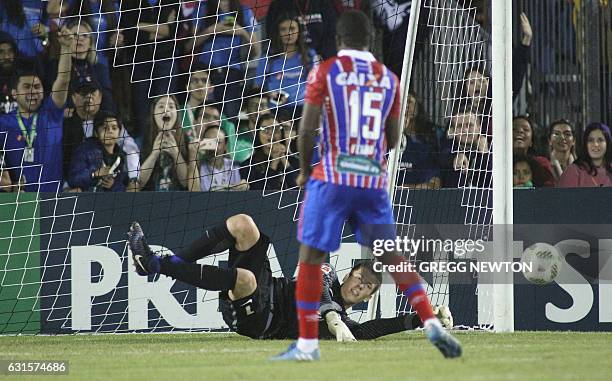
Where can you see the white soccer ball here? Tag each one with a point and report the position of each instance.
(443, 313)
(545, 263)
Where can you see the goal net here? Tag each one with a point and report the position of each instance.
(449, 107)
(237, 96)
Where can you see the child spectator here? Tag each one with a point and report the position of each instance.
(522, 144)
(87, 100)
(99, 164)
(522, 174)
(562, 146)
(268, 168)
(593, 168)
(163, 156)
(283, 72)
(227, 27)
(33, 132)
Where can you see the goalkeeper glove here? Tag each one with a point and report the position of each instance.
(338, 328)
(445, 316)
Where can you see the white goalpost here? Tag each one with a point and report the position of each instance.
(456, 44)
(501, 73)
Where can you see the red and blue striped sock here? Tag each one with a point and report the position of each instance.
(409, 283)
(307, 297)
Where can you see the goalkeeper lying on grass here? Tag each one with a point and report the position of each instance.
(258, 305)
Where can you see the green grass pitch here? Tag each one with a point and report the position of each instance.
(520, 356)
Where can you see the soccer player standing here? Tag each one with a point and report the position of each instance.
(354, 101)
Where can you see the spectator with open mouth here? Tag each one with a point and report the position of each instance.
(164, 167)
(31, 135)
(523, 144)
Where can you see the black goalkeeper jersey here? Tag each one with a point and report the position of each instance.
(284, 323)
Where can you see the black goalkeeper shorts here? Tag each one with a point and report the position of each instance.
(251, 315)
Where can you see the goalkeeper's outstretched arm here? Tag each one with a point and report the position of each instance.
(376, 328)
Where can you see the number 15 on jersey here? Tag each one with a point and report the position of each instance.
(365, 121)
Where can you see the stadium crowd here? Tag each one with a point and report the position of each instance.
(166, 95)
(459, 153)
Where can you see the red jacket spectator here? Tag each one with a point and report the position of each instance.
(593, 168)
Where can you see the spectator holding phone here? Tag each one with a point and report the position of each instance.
(199, 92)
(101, 14)
(214, 171)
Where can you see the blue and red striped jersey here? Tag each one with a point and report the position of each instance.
(357, 94)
